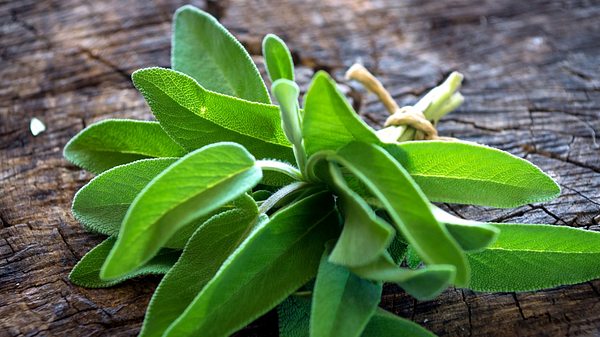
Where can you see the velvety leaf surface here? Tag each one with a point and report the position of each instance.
(102, 203)
(387, 324)
(343, 303)
(206, 51)
(113, 142)
(86, 272)
(294, 320)
(406, 204)
(329, 121)
(196, 117)
(190, 188)
(277, 58)
(425, 283)
(294, 316)
(532, 257)
(469, 173)
(471, 235)
(273, 262)
(206, 251)
(364, 235)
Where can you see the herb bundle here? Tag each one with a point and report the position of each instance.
(247, 206)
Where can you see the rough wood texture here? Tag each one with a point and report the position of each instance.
(532, 88)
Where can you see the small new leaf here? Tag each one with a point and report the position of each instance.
(277, 58)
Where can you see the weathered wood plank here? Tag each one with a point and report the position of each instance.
(532, 88)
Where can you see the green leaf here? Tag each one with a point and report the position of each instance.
(277, 58)
(195, 117)
(469, 173)
(425, 283)
(472, 236)
(329, 121)
(406, 205)
(102, 204)
(343, 303)
(113, 142)
(533, 257)
(412, 258)
(287, 93)
(273, 262)
(202, 257)
(294, 316)
(387, 324)
(205, 50)
(86, 272)
(364, 236)
(192, 187)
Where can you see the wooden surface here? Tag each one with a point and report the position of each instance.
(532, 88)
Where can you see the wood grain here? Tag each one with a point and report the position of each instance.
(532, 88)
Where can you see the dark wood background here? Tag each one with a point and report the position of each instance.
(532, 88)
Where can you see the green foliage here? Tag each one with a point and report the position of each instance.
(365, 236)
(406, 204)
(201, 117)
(277, 58)
(532, 257)
(283, 253)
(206, 179)
(238, 237)
(329, 121)
(86, 272)
(204, 254)
(469, 173)
(113, 142)
(343, 303)
(205, 50)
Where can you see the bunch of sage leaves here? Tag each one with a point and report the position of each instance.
(247, 206)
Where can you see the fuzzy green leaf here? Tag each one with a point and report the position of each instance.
(533, 257)
(206, 51)
(273, 262)
(472, 236)
(294, 316)
(102, 203)
(469, 173)
(425, 283)
(278, 58)
(113, 142)
(329, 121)
(406, 204)
(195, 117)
(343, 303)
(387, 324)
(364, 236)
(294, 320)
(202, 257)
(86, 272)
(192, 187)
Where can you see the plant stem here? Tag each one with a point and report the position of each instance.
(277, 166)
(282, 193)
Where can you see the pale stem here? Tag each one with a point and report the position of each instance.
(359, 73)
(277, 166)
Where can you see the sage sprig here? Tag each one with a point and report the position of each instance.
(247, 206)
